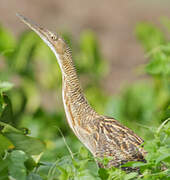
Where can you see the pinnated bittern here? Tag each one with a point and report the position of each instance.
(102, 135)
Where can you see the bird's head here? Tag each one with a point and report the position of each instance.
(54, 41)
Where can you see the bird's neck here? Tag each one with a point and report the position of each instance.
(77, 109)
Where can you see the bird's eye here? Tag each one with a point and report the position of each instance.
(53, 38)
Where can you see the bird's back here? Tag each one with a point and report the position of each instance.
(116, 141)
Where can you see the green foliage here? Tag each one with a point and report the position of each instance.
(157, 47)
(89, 56)
(17, 169)
(35, 140)
(7, 43)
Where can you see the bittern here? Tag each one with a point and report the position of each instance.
(102, 135)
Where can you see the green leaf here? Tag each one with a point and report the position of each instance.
(22, 141)
(5, 86)
(24, 52)
(159, 64)
(6, 128)
(5, 144)
(7, 42)
(63, 173)
(134, 164)
(162, 158)
(131, 176)
(91, 58)
(149, 35)
(30, 145)
(17, 169)
(103, 174)
(7, 113)
(83, 152)
(129, 164)
(2, 104)
(140, 164)
(3, 169)
(30, 163)
(33, 176)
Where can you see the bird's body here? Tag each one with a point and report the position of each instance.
(103, 136)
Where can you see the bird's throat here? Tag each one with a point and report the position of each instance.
(78, 110)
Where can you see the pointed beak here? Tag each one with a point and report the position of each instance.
(43, 33)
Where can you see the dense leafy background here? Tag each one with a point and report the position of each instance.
(35, 140)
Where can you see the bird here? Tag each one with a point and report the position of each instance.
(103, 136)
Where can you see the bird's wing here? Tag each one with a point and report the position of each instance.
(118, 141)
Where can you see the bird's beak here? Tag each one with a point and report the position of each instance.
(42, 32)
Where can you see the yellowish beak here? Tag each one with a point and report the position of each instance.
(42, 32)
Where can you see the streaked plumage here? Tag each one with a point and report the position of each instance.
(103, 136)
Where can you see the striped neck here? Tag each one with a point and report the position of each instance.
(69, 72)
(77, 108)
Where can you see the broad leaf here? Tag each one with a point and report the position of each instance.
(162, 157)
(3, 169)
(33, 176)
(6, 128)
(103, 174)
(30, 145)
(5, 144)
(130, 176)
(7, 113)
(7, 42)
(17, 169)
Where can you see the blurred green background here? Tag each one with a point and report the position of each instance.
(34, 104)
(33, 69)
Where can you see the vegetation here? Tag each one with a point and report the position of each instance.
(35, 140)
